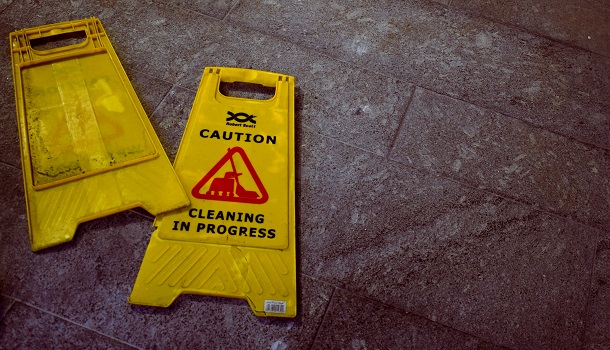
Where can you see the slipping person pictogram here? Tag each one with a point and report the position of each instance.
(227, 187)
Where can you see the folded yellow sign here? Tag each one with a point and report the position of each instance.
(87, 148)
(237, 238)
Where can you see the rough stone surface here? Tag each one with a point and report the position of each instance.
(598, 318)
(9, 137)
(507, 156)
(492, 65)
(352, 322)
(5, 305)
(470, 260)
(25, 327)
(214, 8)
(4, 4)
(581, 23)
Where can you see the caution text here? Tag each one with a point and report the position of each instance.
(237, 136)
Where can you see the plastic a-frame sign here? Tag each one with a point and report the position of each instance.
(237, 239)
(87, 147)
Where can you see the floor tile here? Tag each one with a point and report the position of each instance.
(598, 318)
(468, 57)
(488, 266)
(581, 23)
(352, 322)
(507, 156)
(25, 327)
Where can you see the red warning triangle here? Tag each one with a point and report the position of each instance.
(227, 188)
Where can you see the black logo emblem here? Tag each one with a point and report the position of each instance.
(241, 117)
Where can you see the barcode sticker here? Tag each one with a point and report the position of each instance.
(275, 306)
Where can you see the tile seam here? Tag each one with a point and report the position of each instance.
(475, 14)
(428, 172)
(7, 6)
(157, 107)
(330, 300)
(526, 122)
(75, 323)
(142, 215)
(402, 311)
(230, 10)
(588, 304)
(305, 127)
(533, 205)
(4, 163)
(150, 76)
(309, 49)
(401, 121)
(8, 309)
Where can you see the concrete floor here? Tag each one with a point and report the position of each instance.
(453, 177)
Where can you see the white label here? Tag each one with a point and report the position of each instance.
(275, 306)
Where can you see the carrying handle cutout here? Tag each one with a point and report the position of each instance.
(250, 91)
(244, 86)
(56, 41)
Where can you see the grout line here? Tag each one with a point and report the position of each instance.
(77, 324)
(158, 106)
(340, 141)
(589, 302)
(3, 163)
(476, 14)
(526, 122)
(323, 316)
(12, 302)
(141, 72)
(534, 205)
(401, 122)
(430, 172)
(142, 215)
(390, 306)
(313, 50)
(7, 6)
(230, 10)
(411, 313)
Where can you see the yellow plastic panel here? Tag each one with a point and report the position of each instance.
(88, 149)
(237, 239)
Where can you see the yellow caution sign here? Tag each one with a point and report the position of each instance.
(88, 149)
(237, 239)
